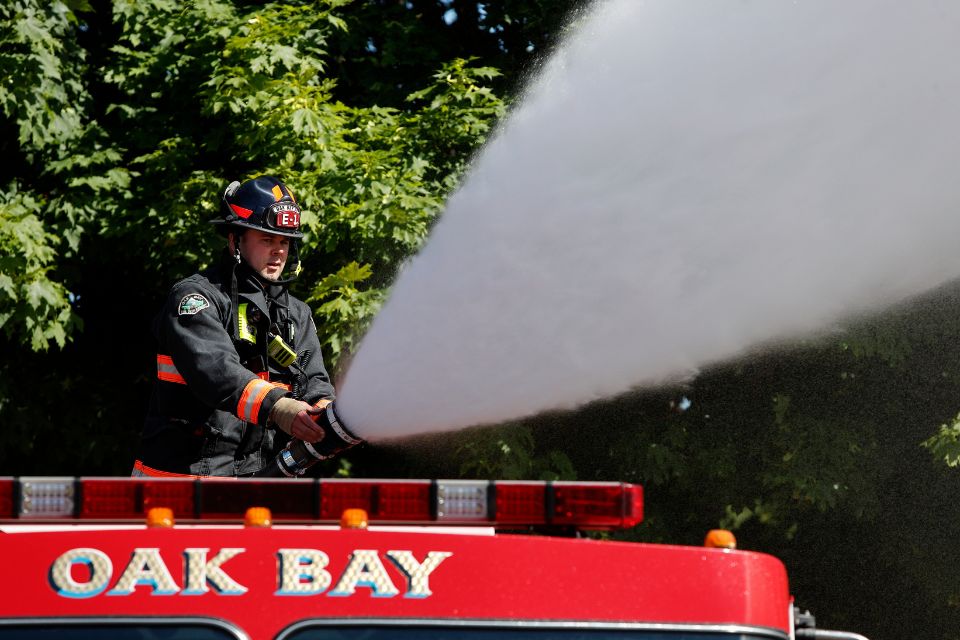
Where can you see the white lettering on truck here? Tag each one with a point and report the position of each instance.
(146, 568)
(300, 572)
(418, 573)
(98, 565)
(303, 572)
(199, 572)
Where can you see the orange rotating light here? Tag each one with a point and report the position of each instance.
(160, 517)
(720, 539)
(258, 517)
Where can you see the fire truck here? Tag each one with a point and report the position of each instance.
(344, 559)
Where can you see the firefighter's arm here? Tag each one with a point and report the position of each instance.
(192, 328)
(320, 391)
(296, 418)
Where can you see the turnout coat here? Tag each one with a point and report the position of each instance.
(216, 378)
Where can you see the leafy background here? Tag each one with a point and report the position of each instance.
(122, 120)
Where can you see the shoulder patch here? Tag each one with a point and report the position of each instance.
(192, 304)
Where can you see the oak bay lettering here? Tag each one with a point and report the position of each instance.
(300, 572)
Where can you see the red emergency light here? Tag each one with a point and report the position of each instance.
(500, 504)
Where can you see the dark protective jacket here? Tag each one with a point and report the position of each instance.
(216, 383)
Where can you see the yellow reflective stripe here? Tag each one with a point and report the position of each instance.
(252, 397)
(167, 371)
(244, 330)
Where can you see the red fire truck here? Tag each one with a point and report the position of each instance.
(367, 559)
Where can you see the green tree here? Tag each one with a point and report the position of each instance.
(131, 118)
(43, 99)
(123, 121)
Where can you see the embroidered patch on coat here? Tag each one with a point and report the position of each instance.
(193, 304)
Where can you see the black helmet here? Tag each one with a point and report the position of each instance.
(264, 204)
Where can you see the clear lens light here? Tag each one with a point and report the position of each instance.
(47, 498)
(461, 500)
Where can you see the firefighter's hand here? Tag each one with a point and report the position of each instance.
(295, 418)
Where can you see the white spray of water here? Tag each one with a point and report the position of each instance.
(686, 180)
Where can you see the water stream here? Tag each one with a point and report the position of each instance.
(685, 180)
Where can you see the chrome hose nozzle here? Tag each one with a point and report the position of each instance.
(298, 456)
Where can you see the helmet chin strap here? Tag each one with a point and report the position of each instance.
(295, 271)
(238, 260)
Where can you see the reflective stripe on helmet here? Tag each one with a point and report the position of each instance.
(240, 211)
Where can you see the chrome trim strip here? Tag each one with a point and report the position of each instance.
(290, 462)
(828, 634)
(54, 621)
(764, 632)
(340, 430)
(312, 451)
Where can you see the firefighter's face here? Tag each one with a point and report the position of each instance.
(265, 252)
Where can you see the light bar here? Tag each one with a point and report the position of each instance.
(6, 498)
(462, 501)
(119, 499)
(604, 504)
(500, 504)
(402, 501)
(228, 499)
(519, 502)
(47, 497)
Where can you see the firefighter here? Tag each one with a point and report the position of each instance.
(239, 368)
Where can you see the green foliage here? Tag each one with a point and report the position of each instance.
(41, 65)
(508, 452)
(457, 90)
(883, 342)
(31, 304)
(42, 97)
(945, 444)
(122, 126)
(813, 463)
(128, 122)
(347, 307)
(390, 46)
(211, 80)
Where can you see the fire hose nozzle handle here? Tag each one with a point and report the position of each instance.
(336, 436)
(298, 456)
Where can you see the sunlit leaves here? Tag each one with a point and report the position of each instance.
(40, 64)
(346, 305)
(945, 445)
(31, 305)
(371, 179)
